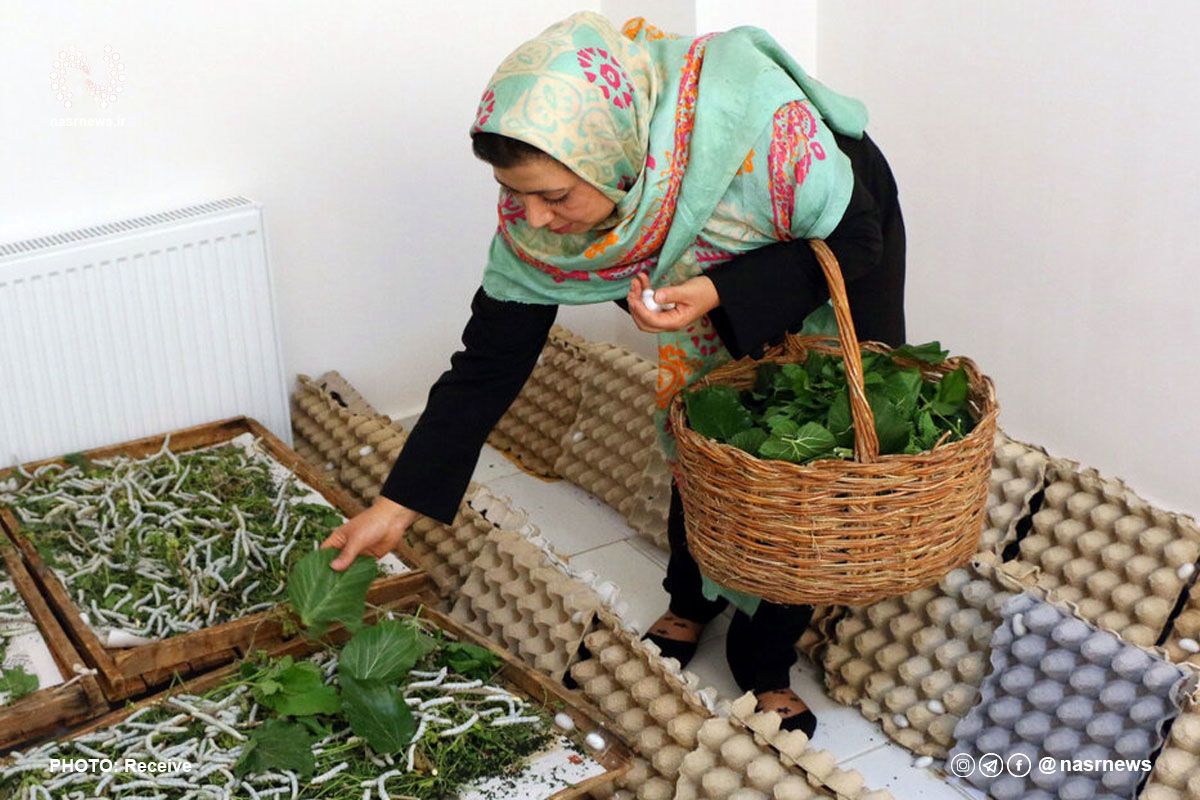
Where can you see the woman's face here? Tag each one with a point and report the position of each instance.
(554, 196)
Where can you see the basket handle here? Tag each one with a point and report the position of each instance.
(866, 443)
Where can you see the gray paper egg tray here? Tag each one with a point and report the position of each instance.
(1063, 690)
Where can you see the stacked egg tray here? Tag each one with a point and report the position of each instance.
(915, 663)
(445, 552)
(1124, 563)
(1063, 690)
(686, 746)
(1017, 481)
(820, 631)
(531, 431)
(612, 448)
(1176, 774)
(587, 415)
(517, 597)
(351, 444)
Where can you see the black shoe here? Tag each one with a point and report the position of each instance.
(804, 720)
(681, 651)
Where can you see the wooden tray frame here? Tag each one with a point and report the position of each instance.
(54, 707)
(128, 672)
(616, 757)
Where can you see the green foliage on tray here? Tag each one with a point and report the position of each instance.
(15, 682)
(372, 670)
(801, 412)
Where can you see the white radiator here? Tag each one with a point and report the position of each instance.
(134, 328)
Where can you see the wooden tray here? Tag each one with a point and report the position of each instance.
(127, 672)
(55, 707)
(616, 757)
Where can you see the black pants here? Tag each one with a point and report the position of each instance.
(760, 649)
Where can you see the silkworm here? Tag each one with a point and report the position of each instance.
(500, 722)
(200, 715)
(437, 701)
(455, 731)
(324, 776)
(428, 684)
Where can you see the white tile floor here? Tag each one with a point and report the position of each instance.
(595, 537)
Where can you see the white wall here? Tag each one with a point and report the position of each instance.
(793, 24)
(1046, 158)
(349, 121)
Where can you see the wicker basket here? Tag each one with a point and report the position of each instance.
(835, 531)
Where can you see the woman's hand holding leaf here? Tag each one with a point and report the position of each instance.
(374, 532)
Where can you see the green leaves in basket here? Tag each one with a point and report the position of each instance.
(930, 352)
(277, 744)
(790, 441)
(891, 427)
(801, 412)
(716, 412)
(951, 393)
(749, 440)
(321, 595)
(821, 322)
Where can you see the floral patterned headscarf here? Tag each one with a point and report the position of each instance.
(709, 147)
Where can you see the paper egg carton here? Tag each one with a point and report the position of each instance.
(665, 717)
(612, 448)
(320, 450)
(532, 429)
(915, 663)
(1182, 641)
(651, 703)
(371, 454)
(306, 451)
(745, 754)
(356, 446)
(1062, 688)
(1124, 563)
(642, 782)
(820, 631)
(1018, 475)
(446, 552)
(1176, 774)
(515, 595)
(339, 390)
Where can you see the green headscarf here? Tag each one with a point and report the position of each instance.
(709, 146)
(660, 125)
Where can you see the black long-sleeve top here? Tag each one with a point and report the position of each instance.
(763, 294)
